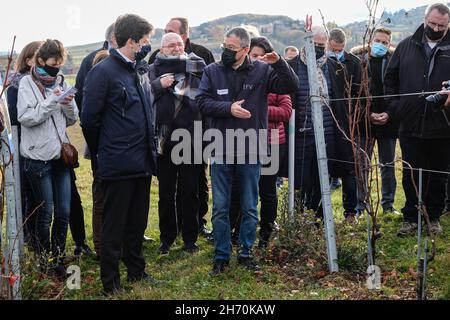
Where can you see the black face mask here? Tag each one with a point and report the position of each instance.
(433, 35)
(51, 71)
(320, 52)
(145, 50)
(229, 57)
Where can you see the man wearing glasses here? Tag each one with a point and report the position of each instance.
(180, 25)
(420, 64)
(233, 93)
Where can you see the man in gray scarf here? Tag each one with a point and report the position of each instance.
(175, 78)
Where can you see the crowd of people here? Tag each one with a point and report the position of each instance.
(130, 110)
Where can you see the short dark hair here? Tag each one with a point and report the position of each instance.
(131, 26)
(338, 35)
(441, 7)
(240, 33)
(51, 49)
(383, 30)
(184, 28)
(263, 43)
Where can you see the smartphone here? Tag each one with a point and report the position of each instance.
(67, 93)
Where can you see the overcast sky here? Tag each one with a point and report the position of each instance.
(77, 22)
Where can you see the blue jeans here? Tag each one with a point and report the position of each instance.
(222, 179)
(50, 183)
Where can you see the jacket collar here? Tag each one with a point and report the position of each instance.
(130, 66)
(188, 46)
(419, 37)
(246, 65)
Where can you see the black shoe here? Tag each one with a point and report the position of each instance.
(59, 271)
(219, 267)
(210, 238)
(163, 249)
(202, 231)
(191, 248)
(148, 239)
(146, 279)
(262, 245)
(83, 250)
(351, 217)
(249, 263)
(335, 184)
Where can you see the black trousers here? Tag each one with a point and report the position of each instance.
(98, 203)
(307, 178)
(125, 219)
(203, 195)
(77, 226)
(429, 154)
(447, 201)
(203, 199)
(181, 180)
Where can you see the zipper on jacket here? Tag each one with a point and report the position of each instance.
(125, 96)
(430, 67)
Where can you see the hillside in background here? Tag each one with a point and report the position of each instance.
(282, 31)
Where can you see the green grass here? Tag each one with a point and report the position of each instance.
(187, 276)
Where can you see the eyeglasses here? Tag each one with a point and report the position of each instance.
(223, 46)
(440, 27)
(175, 45)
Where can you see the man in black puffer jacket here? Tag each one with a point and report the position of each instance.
(421, 64)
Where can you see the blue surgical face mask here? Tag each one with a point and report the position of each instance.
(339, 56)
(378, 50)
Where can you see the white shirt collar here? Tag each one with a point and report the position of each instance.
(125, 57)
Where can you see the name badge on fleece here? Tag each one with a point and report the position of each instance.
(222, 92)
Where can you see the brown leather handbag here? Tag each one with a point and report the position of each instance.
(69, 154)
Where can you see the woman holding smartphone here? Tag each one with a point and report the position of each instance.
(44, 118)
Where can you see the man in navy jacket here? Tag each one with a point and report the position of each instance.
(233, 93)
(118, 124)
